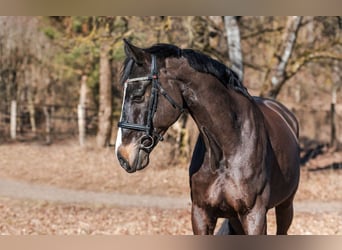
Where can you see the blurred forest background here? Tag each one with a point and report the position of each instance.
(59, 76)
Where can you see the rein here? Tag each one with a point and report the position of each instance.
(147, 141)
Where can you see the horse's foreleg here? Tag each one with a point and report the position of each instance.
(284, 216)
(231, 226)
(254, 221)
(202, 222)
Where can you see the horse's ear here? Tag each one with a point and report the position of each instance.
(137, 54)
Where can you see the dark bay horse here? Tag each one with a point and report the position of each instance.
(246, 159)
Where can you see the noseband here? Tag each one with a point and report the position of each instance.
(147, 141)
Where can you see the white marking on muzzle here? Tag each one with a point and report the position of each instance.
(119, 134)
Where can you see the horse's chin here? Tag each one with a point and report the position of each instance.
(143, 160)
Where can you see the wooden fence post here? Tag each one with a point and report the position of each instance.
(13, 119)
(81, 111)
(81, 123)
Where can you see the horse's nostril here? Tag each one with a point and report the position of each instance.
(122, 161)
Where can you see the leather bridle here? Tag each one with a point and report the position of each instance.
(147, 141)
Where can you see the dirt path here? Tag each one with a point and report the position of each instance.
(22, 190)
(64, 189)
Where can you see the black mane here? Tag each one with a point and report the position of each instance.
(198, 61)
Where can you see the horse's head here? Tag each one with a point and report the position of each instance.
(152, 102)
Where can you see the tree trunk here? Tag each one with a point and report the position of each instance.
(234, 45)
(47, 113)
(105, 98)
(32, 111)
(333, 139)
(278, 76)
(30, 100)
(335, 134)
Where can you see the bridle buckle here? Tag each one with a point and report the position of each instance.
(146, 142)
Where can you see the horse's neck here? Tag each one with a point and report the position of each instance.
(226, 116)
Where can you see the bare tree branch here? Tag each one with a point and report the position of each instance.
(314, 56)
(262, 32)
(279, 76)
(290, 39)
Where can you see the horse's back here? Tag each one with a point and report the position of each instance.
(283, 130)
(275, 110)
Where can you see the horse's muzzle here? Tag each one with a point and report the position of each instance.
(133, 161)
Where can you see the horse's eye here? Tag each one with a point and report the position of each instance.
(138, 98)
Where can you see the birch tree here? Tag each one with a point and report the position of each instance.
(278, 75)
(234, 45)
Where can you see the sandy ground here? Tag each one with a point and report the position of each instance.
(66, 165)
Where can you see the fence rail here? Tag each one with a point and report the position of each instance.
(50, 121)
